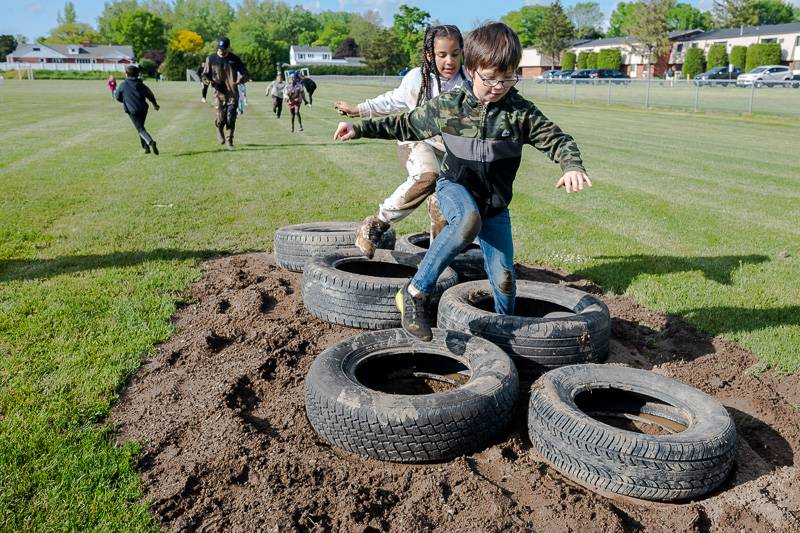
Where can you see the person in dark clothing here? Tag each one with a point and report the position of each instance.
(133, 94)
(310, 87)
(224, 70)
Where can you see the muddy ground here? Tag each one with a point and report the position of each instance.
(226, 444)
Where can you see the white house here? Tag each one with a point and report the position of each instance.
(50, 56)
(320, 55)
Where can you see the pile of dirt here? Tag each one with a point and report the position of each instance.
(227, 446)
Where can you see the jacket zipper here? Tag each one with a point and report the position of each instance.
(483, 155)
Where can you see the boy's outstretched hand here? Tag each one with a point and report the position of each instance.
(345, 132)
(573, 181)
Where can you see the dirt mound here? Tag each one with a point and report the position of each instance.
(226, 444)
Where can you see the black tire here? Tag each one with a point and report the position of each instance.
(675, 466)
(536, 344)
(359, 300)
(403, 427)
(296, 244)
(468, 264)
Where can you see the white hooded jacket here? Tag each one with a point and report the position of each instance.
(404, 98)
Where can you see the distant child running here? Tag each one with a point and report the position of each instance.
(440, 72)
(276, 89)
(310, 86)
(133, 94)
(484, 126)
(112, 85)
(295, 95)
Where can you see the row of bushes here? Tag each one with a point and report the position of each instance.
(746, 59)
(609, 58)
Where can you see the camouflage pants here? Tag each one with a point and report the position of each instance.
(422, 162)
(226, 108)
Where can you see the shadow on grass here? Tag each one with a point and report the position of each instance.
(616, 273)
(251, 147)
(28, 269)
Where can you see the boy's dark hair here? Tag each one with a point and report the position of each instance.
(132, 71)
(492, 45)
(429, 61)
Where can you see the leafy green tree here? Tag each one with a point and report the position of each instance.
(335, 29)
(109, 19)
(694, 63)
(739, 56)
(620, 18)
(568, 60)
(525, 21)
(774, 12)
(347, 48)
(70, 16)
(140, 29)
(364, 29)
(682, 16)
(209, 18)
(583, 58)
(730, 13)
(591, 60)
(409, 26)
(260, 63)
(386, 55)
(717, 56)
(72, 33)
(648, 31)
(554, 33)
(609, 58)
(587, 19)
(8, 43)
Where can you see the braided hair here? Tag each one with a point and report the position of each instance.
(429, 59)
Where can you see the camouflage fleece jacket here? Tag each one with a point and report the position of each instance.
(483, 143)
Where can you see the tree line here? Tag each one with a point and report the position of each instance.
(172, 36)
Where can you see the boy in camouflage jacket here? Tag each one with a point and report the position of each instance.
(484, 125)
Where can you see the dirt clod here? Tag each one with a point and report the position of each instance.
(226, 444)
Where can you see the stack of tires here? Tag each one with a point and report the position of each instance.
(387, 395)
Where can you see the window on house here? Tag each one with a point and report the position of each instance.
(797, 41)
(770, 40)
(81, 60)
(301, 56)
(37, 49)
(325, 56)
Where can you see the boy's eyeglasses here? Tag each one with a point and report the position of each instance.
(494, 83)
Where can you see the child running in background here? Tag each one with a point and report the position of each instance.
(242, 88)
(133, 94)
(112, 85)
(484, 126)
(310, 86)
(295, 95)
(440, 72)
(276, 89)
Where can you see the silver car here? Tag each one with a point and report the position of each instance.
(768, 75)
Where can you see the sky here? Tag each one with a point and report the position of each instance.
(35, 18)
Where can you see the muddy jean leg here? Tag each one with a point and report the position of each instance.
(498, 253)
(463, 225)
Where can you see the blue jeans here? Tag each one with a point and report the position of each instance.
(464, 223)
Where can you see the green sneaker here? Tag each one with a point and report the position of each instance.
(414, 313)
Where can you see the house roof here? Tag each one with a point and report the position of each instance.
(745, 31)
(323, 49)
(607, 41)
(88, 52)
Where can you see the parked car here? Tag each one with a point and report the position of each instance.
(548, 76)
(767, 75)
(606, 74)
(717, 73)
(580, 75)
(564, 75)
(795, 81)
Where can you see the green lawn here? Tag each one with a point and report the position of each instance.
(693, 215)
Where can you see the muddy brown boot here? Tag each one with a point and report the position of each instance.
(229, 141)
(221, 134)
(438, 221)
(369, 235)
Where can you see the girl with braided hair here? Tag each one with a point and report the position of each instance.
(441, 71)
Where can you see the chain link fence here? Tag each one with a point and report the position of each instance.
(773, 98)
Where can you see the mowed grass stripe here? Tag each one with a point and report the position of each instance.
(97, 244)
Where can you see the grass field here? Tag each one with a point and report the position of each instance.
(698, 216)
